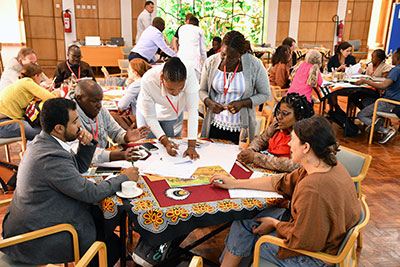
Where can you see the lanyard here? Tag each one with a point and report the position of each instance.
(234, 73)
(79, 71)
(172, 105)
(95, 134)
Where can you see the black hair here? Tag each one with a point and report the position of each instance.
(299, 103)
(174, 70)
(318, 132)
(72, 47)
(342, 46)
(397, 50)
(236, 40)
(217, 39)
(159, 23)
(288, 41)
(194, 21)
(281, 55)
(29, 70)
(380, 54)
(55, 111)
(148, 3)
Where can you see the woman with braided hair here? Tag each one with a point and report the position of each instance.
(306, 75)
(324, 204)
(270, 150)
(233, 83)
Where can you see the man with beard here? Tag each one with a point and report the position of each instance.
(73, 66)
(51, 190)
(97, 120)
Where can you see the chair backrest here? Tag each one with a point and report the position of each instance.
(260, 126)
(123, 65)
(105, 72)
(196, 261)
(355, 43)
(126, 50)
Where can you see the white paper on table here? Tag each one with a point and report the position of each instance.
(355, 69)
(246, 193)
(164, 165)
(124, 164)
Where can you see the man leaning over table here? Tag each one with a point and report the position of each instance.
(51, 190)
(151, 40)
(97, 120)
(391, 88)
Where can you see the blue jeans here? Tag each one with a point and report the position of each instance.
(365, 115)
(241, 240)
(13, 130)
(167, 126)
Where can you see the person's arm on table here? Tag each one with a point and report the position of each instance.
(159, 41)
(170, 146)
(192, 103)
(378, 85)
(265, 183)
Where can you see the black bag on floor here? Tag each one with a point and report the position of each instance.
(339, 117)
(8, 176)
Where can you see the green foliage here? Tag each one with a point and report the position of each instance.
(216, 17)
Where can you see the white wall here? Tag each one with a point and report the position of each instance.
(9, 25)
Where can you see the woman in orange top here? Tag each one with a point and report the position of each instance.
(270, 150)
(279, 74)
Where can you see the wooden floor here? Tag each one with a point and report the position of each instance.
(381, 236)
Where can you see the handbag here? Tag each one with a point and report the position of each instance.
(32, 113)
(8, 176)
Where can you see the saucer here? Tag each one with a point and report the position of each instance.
(138, 192)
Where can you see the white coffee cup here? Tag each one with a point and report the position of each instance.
(129, 188)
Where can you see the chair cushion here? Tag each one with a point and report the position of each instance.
(265, 263)
(6, 261)
(4, 141)
(352, 162)
(387, 115)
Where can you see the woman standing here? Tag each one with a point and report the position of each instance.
(279, 74)
(165, 92)
(324, 204)
(342, 58)
(306, 75)
(232, 84)
(137, 68)
(15, 98)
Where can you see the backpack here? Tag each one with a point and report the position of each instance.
(8, 176)
(339, 117)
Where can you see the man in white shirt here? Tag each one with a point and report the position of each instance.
(151, 40)
(144, 20)
(165, 92)
(192, 45)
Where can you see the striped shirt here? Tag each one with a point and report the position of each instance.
(226, 120)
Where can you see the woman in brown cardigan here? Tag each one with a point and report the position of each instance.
(324, 204)
(270, 150)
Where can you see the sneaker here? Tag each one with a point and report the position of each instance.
(378, 123)
(386, 137)
(148, 256)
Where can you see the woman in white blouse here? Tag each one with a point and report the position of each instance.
(165, 92)
(232, 84)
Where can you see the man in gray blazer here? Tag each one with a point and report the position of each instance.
(51, 190)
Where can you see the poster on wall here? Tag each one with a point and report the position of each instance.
(394, 29)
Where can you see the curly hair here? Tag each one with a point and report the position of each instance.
(299, 103)
(281, 55)
(318, 132)
(236, 40)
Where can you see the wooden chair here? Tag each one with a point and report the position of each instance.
(196, 261)
(20, 139)
(386, 115)
(107, 74)
(268, 112)
(357, 164)
(123, 65)
(346, 255)
(96, 247)
(278, 93)
(260, 127)
(126, 50)
(7, 261)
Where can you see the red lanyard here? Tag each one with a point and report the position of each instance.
(79, 71)
(95, 134)
(172, 105)
(234, 73)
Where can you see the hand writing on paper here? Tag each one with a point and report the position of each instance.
(132, 173)
(171, 149)
(267, 225)
(246, 156)
(223, 181)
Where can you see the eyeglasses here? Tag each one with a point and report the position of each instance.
(283, 113)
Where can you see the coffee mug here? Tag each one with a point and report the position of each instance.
(129, 188)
